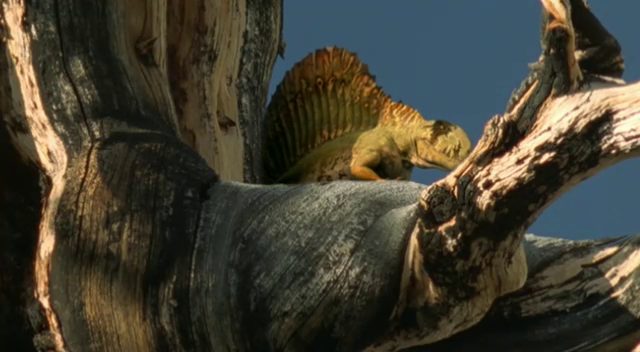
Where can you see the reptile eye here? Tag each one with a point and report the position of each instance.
(440, 125)
(407, 165)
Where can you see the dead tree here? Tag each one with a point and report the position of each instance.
(116, 233)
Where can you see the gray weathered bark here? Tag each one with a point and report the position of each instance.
(120, 236)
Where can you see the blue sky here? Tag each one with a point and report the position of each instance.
(460, 61)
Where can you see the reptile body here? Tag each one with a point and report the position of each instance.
(329, 120)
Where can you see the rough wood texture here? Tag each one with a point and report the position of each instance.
(86, 99)
(221, 54)
(579, 293)
(297, 294)
(122, 237)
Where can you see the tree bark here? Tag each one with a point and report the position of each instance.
(220, 57)
(93, 105)
(580, 296)
(120, 236)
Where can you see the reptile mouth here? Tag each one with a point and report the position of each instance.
(439, 166)
(448, 164)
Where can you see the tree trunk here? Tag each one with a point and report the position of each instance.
(97, 100)
(118, 235)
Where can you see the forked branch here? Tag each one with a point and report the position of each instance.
(563, 126)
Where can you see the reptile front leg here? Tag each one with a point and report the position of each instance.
(361, 166)
(364, 173)
(376, 157)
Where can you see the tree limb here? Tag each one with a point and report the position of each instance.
(136, 245)
(278, 240)
(90, 119)
(579, 296)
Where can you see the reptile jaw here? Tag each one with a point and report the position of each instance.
(445, 165)
(439, 167)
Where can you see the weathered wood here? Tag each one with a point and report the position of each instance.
(221, 54)
(86, 99)
(19, 219)
(285, 277)
(304, 279)
(580, 295)
(123, 238)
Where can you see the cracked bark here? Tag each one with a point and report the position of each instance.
(120, 236)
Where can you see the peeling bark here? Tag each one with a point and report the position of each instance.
(121, 236)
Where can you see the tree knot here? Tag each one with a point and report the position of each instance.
(438, 204)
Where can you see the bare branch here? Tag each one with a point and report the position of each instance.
(136, 244)
(463, 252)
(579, 293)
(421, 273)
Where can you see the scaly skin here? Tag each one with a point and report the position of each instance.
(328, 120)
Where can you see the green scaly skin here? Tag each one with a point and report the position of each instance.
(328, 120)
(388, 152)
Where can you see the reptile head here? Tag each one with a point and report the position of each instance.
(440, 144)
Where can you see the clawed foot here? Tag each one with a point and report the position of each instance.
(399, 178)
